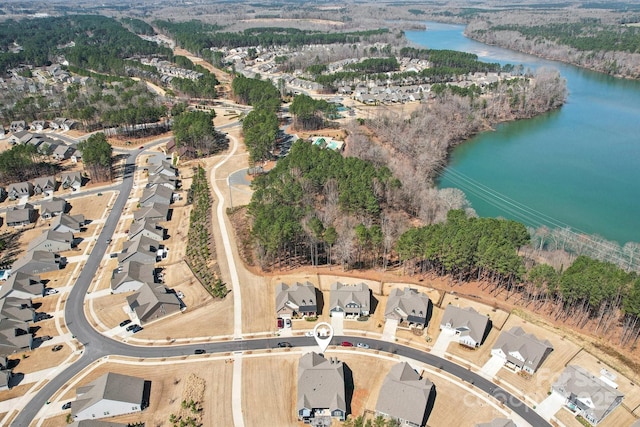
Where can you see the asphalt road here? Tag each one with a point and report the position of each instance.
(96, 345)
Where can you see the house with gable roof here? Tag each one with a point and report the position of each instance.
(18, 216)
(67, 223)
(296, 300)
(321, 389)
(152, 302)
(22, 285)
(14, 336)
(520, 350)
(110, 395)
(19, 189)
(349, 300)
(586, 395)
(146, 228)
(470, 326)
(130, 276)
(406, 396)
(408, 306)
(71, 180)
(52, 241)
(45, 185)
(53, 207)
(17, 309)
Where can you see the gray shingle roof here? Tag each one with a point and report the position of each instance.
(110, 386)
(498, 422)
(528, 346)
(53, 206)
(152, 301)
(54, 236)
(577, 381)
(408, 304)
(22, 284)
(466, 318)
(157, 210)
(341, 295)
(299, 297)
(320, 383)
(132, 271)
(16, 309)
(404, 394)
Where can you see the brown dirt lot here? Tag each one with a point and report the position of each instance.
(167, 388)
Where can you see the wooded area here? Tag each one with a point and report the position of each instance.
(195, 130)
(97, 157)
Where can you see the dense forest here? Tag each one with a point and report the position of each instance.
(196, 131)
(87, 41)
(97, 157)
(607, 48)
(23, 163)
(196, 36)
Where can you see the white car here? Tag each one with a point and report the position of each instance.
(51, 291)
(180, 294)
(308, 334)
(362, 345)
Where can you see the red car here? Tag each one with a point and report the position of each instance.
(347, 344)
(280, 323)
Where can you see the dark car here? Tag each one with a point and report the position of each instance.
(66, 406)
(199, 351)
(137, 328)
(280, 323)
(347, 344)
(131, 327)
(57, 347)
(125, 322)
(284, 344)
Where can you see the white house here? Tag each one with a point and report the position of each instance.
(110, 395)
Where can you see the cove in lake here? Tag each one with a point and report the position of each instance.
(576, 167)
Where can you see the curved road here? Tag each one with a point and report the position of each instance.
(97, 346)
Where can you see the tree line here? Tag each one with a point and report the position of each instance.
(23, 163)
(195, 129)
(309, 113)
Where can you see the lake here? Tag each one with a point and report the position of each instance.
(577, 167)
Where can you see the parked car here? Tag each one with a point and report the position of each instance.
(125, 322)
(346, 344)
(199, 351)
(57, 347)
(309, 334)
(287, 323)
(137, 328)
(50, 291)
(45, 338)
(180, 294)
(284, 344)
(280, 323)
(66, 406)
(362, 345)
(131, 327)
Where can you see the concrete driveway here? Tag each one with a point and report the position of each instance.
(491, 368)
(389, 331)
(442, 343)
(550, 406)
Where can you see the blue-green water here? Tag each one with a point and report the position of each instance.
(577, 167)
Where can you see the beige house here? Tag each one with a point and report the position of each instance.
(298, 299)
(349, 300)
(110, 395)
(408, 306)
(521, 351)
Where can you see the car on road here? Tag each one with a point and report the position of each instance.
(66, 406)
(142, 147)
(346, 344)
(131, 327)
(125, 322)
(57, 347)
(362, 345)
(108, 241)
(137, 328)
(284, 344)
(199, 351)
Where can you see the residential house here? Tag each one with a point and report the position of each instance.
(498, 422)
(152, 302)
(22, 285)
(18, 216)
(16, 137)
(76, 156)
(5, 374)
(131, 276)
(53, 207)
(406, 396)
(108, 396)
(158, 194)
(14, 336)
(470, 326)
(37, 262)
(20, 189)
(39, 125)
(155, 212)
(167, 181)
(410, 306)
(17, 309)
(52, 241)
(164, 168)
(521, 351)
(63, 152)
(297, 300)
(45, 185)
(72, 180)
(146, 228)
(142, 250)
(586, 395)
(349, 300)
(67, 223)
(321, 390)
(17, 126)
